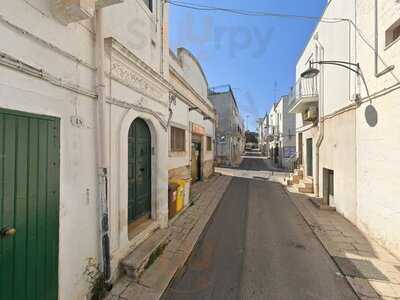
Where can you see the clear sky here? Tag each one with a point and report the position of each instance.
(256, 55)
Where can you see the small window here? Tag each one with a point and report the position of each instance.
(393, 33)
(149, 4)
(177, 139)
(209, 143)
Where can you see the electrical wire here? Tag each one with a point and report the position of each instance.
(202, 7)
(251, 13)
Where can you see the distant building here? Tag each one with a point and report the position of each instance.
(230, 139)
(281, 133)
(263, 142)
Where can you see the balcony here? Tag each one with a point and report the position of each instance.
(72, 11)
(303, 96)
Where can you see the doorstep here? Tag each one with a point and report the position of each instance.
(371, 270)
(182, 236)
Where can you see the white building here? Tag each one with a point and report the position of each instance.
(192, 130)
(230, 132)
(87, 98)
(346, 141)
(281, 133)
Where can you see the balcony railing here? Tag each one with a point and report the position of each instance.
(302, 94)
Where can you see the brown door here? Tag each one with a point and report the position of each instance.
(196, 160)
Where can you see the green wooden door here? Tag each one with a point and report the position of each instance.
(139, 171)
(29, 206)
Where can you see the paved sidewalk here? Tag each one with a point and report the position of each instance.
(371, 270)
(184, 234)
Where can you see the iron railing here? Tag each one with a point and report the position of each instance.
(304, 87)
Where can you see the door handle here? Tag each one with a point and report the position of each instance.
(141, 169)
(8, 231)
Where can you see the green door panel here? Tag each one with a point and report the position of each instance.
(139, 170)
(29, 202)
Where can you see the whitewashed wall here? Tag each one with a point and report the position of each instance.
(364, 157)
(70, 57)
(378, 148)
(336, 90)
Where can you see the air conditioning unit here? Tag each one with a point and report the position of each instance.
(311, 114)
(71, 11)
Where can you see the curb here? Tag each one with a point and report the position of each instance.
(311, 226)
(181, 269)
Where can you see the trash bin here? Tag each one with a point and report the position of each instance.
(172, 196)
(180, 193)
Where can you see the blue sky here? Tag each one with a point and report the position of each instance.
(256, 55)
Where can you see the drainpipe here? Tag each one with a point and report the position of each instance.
(102, 159)
(376, 38)
(376, 50)
(321, 121)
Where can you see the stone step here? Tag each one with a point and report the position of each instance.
(319, 203)
(306, 188)
(135, 263)
(296, 179)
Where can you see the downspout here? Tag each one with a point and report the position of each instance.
(376, 39)
(102, 159)
(376, 50)
(321, 119)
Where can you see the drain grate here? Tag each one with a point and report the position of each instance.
(359, 268)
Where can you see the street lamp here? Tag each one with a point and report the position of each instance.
(312, 72)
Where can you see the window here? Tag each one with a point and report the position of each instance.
(393, 33)
(178, 139)
(209, 143)
(149, 4)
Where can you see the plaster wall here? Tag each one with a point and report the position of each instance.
(338, 153)
(31, 34)
(378, 146)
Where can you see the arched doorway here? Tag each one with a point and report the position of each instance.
(139, 172)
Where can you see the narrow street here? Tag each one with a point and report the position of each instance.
(258, 246)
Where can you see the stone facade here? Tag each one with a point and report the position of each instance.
(208, 168)
(179, 173)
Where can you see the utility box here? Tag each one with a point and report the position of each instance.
(72, 11)
(180, 193)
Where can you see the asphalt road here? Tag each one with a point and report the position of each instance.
(257, 246)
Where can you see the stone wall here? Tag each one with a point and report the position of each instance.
(179, 173)
(208, 168)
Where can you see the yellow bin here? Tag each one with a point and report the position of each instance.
(180, 193)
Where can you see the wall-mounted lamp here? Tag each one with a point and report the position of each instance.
(355, 68)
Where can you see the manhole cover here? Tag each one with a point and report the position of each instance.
(359, 268)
